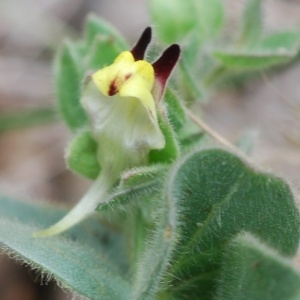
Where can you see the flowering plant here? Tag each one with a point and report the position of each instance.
(174, 210)
(122, 103)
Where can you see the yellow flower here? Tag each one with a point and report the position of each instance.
(121, 101)
(123, 113)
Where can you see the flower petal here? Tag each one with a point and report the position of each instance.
(163, 68)
(109, 79)
(138, 51)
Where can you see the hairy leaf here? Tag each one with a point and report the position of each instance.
(251, 270)
(219, 196)
(86, 261)
(68, 76)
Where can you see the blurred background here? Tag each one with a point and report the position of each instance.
(32, 158)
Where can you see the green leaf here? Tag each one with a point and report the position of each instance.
(251, 270)
(96, 26)
(27, 118)
(253, 60)
(81, 155)
(103, 52)
(285, 40)
(83, 261)
(219, 185)
(176, 18)
(171, 150)
(68, 76)
(252, 24)
(218, 196)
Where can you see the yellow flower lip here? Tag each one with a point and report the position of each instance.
(130, 66)
(114, 85)
(124, 71)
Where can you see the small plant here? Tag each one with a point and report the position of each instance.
(168, 215)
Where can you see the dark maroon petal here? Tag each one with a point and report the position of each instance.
(138, 51)
(163, 68)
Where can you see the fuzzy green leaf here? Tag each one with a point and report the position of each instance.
(251, 270)
(83, 261)
(68, 76)
(219, 196)
(252, 24)
(219, 185)
(81, 155)
(250, 61)
(96, 26)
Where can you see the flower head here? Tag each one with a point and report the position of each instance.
(121, 101)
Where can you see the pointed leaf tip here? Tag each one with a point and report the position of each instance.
(138, 51)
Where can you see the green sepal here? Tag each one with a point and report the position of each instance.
(251, 270)
(96, 26)
(171, 150)
(68, 77)
(81, 155)
(176, 113)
